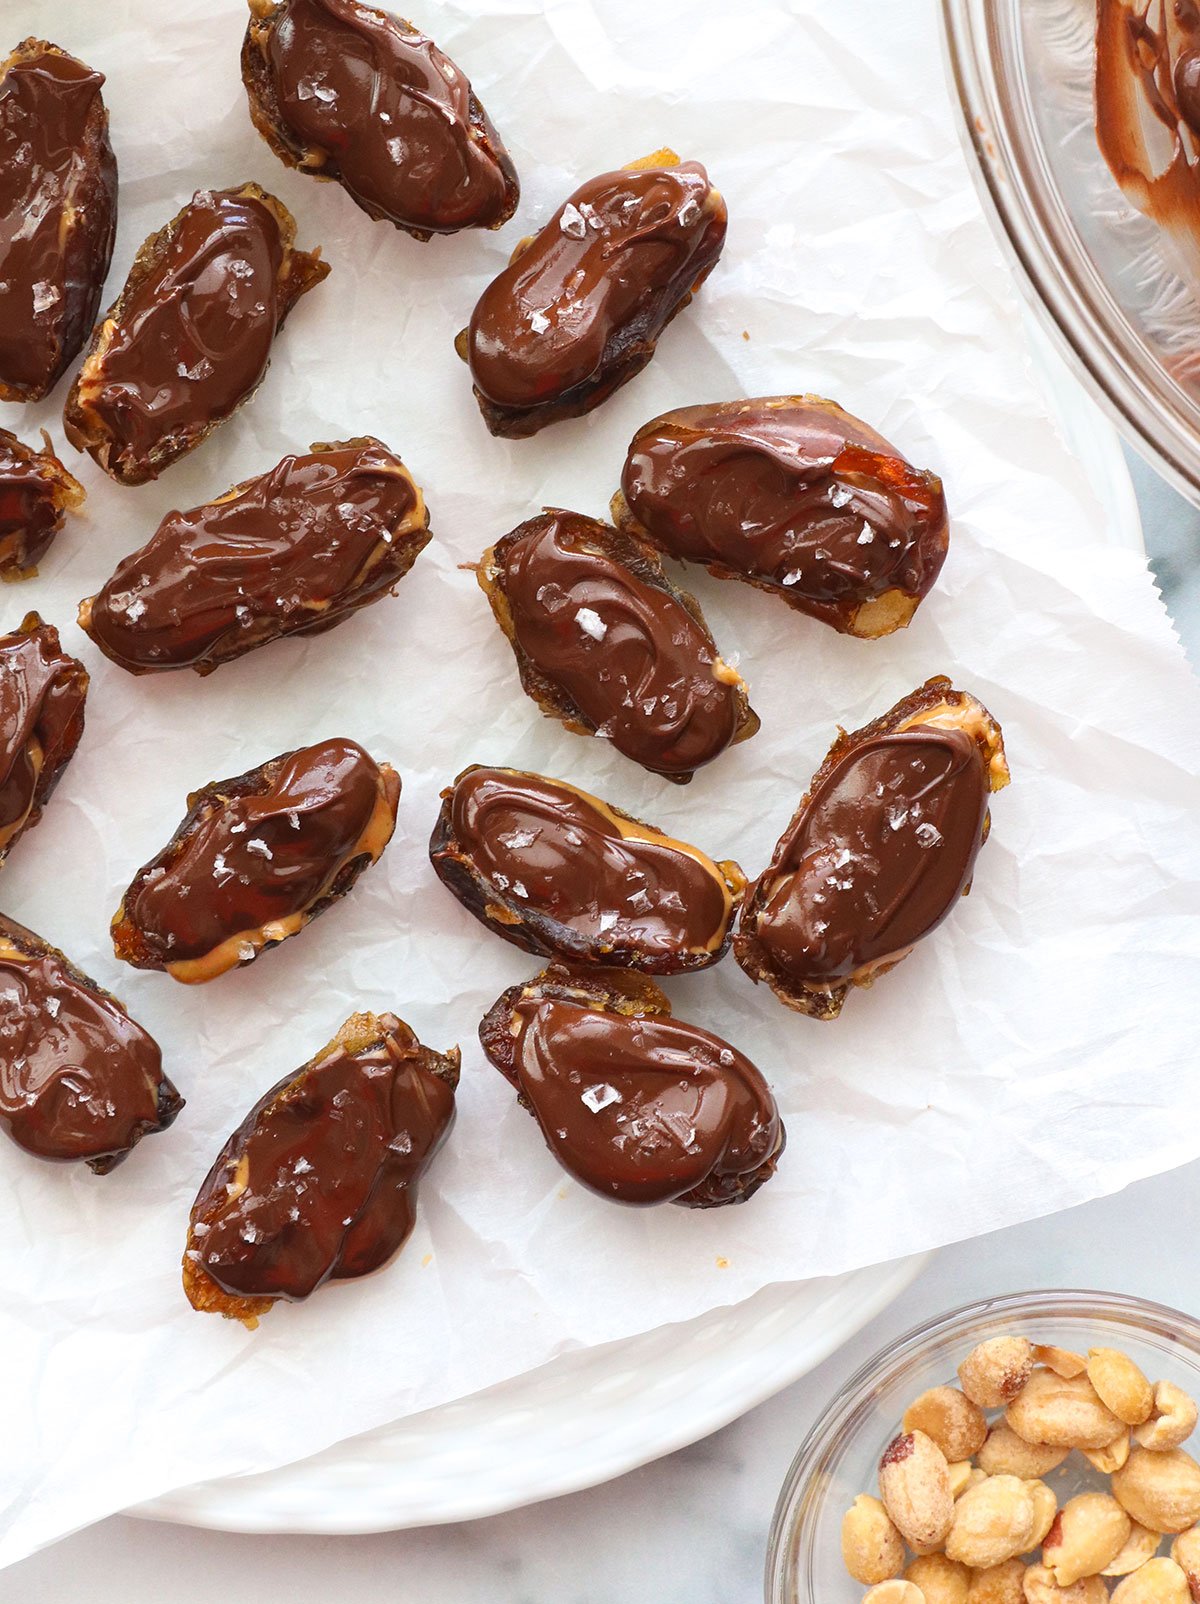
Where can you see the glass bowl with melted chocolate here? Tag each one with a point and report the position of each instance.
(839, 1459)
(1081, 119)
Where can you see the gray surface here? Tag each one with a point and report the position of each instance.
(1172, 529)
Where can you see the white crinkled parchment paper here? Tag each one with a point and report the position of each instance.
(1039, 1050)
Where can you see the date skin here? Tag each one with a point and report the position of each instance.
(579, 309)
(351, 93)
(58, 214)
(637, 1106)
(293, 552)
(80, 1082)
(36, 492)
(605, 643)
(256, 859)
(879, 852)
(319, 1181)
(558, 872)
(42, 697)
(795, 496)
(189, 338)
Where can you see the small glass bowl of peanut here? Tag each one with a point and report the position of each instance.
(1032, 1449)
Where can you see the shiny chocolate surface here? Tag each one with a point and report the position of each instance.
(792, 494)
(42, 695)
(579, 309)
(79, 1079)
(556, 871)
(357, 94)
(319, 1181)
(35, 491)
(293, 551)
(617, 643)
(58, 213)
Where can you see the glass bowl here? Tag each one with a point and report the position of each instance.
(840, 1456)
(1111, 287)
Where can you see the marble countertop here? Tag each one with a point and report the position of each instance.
(691, 1529)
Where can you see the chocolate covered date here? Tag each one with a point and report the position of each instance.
(292, 552)
(58, 213)
(79, 1080)
(795, 496)
(561, 873)
(189, 337)
(349, 92)
(637, 1106)
(319, 1181)
(256, 859)
(42, 695)
(579, 309)
(36, 492)
(879, 852)
(606, 643)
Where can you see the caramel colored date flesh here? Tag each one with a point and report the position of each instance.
(79, 1080)
(879, 852)
(637, 1106)
(36, 492)
(58, 214)
(256, 859)
(293, 552)
(795, 496)
(189, 337)
(348, 92)
(605, 643)
(579, 309)
(561, 873)
(42, 696)
(319, 1181)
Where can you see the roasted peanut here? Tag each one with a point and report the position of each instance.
(1158, 1581)
(1120, 1385)
(950, 1419)
(1045, 1512)
(894, 1592)
(1063, 1361)
(1110, 1458)
(914, 1483)
(1006, 1454)
(1089, 1532)
(1185, 1551)
(1160, 1489)
(993, 1373)
(1041, 1588)
(872, 1548)
(1065, 1412)
(998, 1584)
(1172, 1422)
(1140, 1545)
(993, 1521)
(941, 1580)
(961, 1475)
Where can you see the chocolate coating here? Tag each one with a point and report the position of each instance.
(579, 309)
(35, 493)
(878, 853)
(1147, 107)
(292, 552)
(606, 643)
(561, 873)
(349, 92)
(638, 1106)
(79, 1080)
(42, 695)
(189, 338)
(256, 859)
(793, 495)
(319, 1181)
(58, 213)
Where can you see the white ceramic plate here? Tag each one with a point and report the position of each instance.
(596, 1413)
